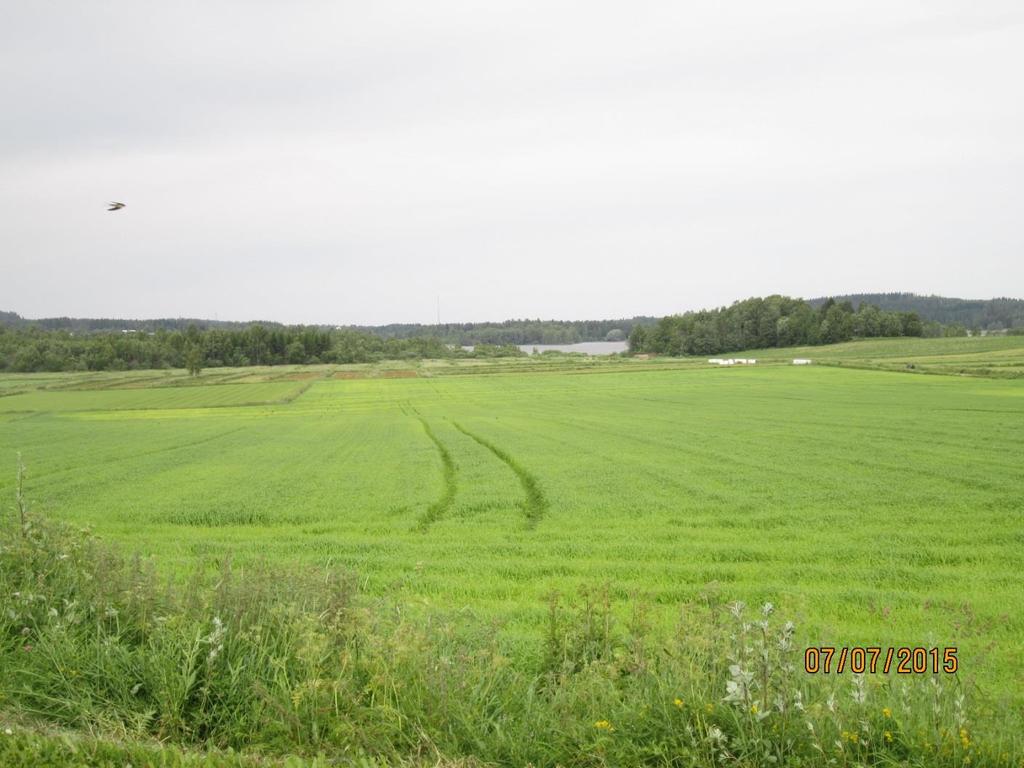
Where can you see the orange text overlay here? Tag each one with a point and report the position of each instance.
(905, 660)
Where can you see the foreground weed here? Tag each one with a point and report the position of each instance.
(285, 662)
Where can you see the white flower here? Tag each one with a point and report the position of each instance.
(215, 638)
(738, 689)
(859, 692)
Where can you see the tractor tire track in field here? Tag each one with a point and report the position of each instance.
(437, 510)
(536, 503)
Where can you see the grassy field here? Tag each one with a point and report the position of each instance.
(872, 507)
(990, 356)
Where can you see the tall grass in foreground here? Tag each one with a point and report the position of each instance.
(284, 662)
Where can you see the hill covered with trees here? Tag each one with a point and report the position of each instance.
(774, 321)
(973, 314)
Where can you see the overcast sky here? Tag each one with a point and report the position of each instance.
(354, 162)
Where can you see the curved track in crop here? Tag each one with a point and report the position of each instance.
(536, 503)
(437, 510)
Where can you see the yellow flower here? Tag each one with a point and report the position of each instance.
(678, 703)
(604, 725)
(888, 736)
(886, 712)
(709, 708)
(753, 709)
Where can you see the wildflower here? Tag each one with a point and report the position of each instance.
(965, 740)
(215, 638)
(859, 692)
(709, 708)
(678, 703)
(886, 712)
(798, 701)
(738, 689)
(604, 725)
(888, 736)
(753, 709)
(785, 639)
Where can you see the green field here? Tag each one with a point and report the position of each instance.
(990, 356)
(873, 507)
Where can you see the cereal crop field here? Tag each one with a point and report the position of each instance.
(874, 507)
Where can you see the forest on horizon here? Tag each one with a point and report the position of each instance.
(65, 344)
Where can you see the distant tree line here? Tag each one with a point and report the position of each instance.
(973, 314)
(100, 324)
(516, 331)
(463, 334)
(36, 349)
(775, 321)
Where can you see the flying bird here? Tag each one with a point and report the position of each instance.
(115, 206)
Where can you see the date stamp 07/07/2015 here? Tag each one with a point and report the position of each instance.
(903, 660)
